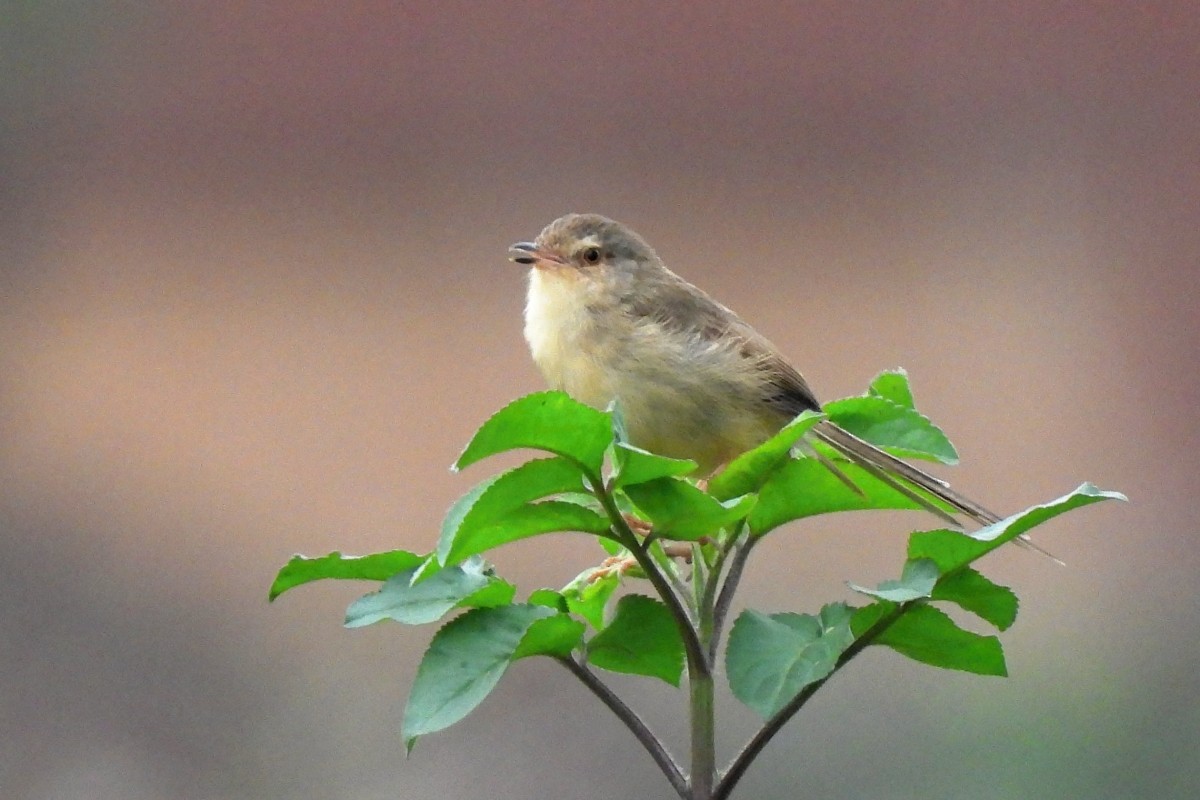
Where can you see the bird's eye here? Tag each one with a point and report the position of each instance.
(592, 255)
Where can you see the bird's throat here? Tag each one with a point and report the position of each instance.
(559, 330)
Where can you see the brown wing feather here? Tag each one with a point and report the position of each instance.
(685, 307)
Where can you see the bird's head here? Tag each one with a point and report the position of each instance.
(587, 247)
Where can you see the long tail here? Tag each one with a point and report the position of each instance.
(888, 469)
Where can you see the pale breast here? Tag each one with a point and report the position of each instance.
(681, 395)
(562, 338)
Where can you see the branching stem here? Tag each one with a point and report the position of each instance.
(701, 638)
(635, 724)
(741, 552)
(697, 655)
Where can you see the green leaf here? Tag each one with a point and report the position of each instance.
(748, 472)
(498, 511)
(926, 634)
(770, 659)
(1017, 524)
(468, 584)
(867, 617)
(896, 428)
(893, 385)
(804, 487)
(612, 547)
(427, 569)
(679, 510)
(378, 567)
(548, 598)
(975, 593)
(550, 421)
(467, 658)
(551, 516)
(641, 640)
(589, 593)
(582, 499)
(916, 582)
(499, 494)
(953, 549)
(497, 592)
(634, 465)
(950, 550)
(553, 636)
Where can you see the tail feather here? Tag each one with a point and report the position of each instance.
(888, 468)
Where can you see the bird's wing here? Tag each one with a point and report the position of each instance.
(683, 307)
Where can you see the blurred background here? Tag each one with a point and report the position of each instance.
(254, 298)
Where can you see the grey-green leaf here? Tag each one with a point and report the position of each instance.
(916, 582)
(377, 567)
(465, 661)
(400, 600)
(770, 659)
(952, 549)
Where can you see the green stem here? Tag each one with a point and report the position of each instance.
(635, 724)
(695, 643)
(667, 565)
(701, 695)
(718, 566)
(704, 754)
(719, 607)
(697, 657)
(700, 579)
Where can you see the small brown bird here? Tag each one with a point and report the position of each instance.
(606, 320)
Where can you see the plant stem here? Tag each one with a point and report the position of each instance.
(699, 635)
(703, 719)
(667, 565)
(718, 566)
(721, 608)
(635, 724)
(697, 656)
(742, 760)
(701, 696)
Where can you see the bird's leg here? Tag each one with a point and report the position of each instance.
(681, 550)
(621, 565)
(637, 524)
(640, 526)
(613, 565)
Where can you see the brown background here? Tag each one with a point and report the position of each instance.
(254, 298)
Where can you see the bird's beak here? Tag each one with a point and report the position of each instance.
(530, 253)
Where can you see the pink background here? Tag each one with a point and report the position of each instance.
(254, 298)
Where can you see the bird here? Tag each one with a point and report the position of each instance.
(606, 320)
